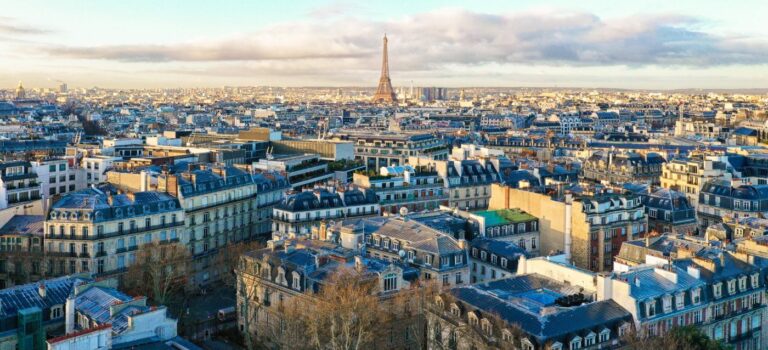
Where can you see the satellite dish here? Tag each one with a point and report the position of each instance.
(403, 211)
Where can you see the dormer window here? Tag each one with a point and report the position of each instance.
(455, 311)
(650, 308)
(680, 300)
(754, 280)
(717, 289)
(555, 346)
(667, 303)
(696, 296)
(506, 336)
(742, 283)
(575, 343)
(732, 287)
(487, 328)
(472, 319)
(483, 256)
(589, 340)
(296, 281)
(605, 335)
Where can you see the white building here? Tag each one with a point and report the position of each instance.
(96, 168)
(59, 176)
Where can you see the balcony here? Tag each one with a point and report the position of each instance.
(101, 254)
(85, 255)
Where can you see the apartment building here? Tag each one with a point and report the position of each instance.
(302, 171)
(18, 183)
(96, 167)
(98, 231)
(393, 149)
(623, 167)
(396, 187)
(733, 199)
(270, 277)
(529, 312)
(436, 255)
(21, 250)
(588, 228)
(688, 175)
(299, 212)
(59, 176)
(220, 207)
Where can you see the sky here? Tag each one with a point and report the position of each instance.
(640, 44)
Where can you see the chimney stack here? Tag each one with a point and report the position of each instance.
(359, 265)
(41, 290)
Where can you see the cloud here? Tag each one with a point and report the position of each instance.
(433, 40)
(8, 26)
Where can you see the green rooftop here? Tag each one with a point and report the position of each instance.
(504, 216)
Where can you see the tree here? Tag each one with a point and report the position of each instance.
(227, 259)
(346, 313)
(160, 271)
(678, 338)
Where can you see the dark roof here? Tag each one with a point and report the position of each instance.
(528, 301)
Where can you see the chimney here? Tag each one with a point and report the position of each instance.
(359, 264)
(41, 290)
(144, 180)
(637, 281)
(289, 247)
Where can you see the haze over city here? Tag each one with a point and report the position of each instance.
(619, 44)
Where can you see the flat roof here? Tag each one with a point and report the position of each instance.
(504, 216)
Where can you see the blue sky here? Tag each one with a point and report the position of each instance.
(627, 44)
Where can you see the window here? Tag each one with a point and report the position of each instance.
(742, 283)
(650, 308)
(445, 280)
(458, 278)
(696, 295)
(296, 281)
(487, 328)
(504, 262)
(605, 334)
(575, 343)
(445, 260)
(390, 282)
(732, 287)
(589, 340)
(667, 302)
(754, 279)
(455, 311)
(680, 300)
(717, 289)
(458, 259)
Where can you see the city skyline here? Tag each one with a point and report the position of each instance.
(452, 44)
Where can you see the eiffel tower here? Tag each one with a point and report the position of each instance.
(385, 93)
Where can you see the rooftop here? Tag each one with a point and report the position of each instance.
(504, 216)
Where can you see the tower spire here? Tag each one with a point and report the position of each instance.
(385, 93)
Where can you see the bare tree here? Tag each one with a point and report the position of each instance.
(160, 271)
(226, 261)
(346, 313)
